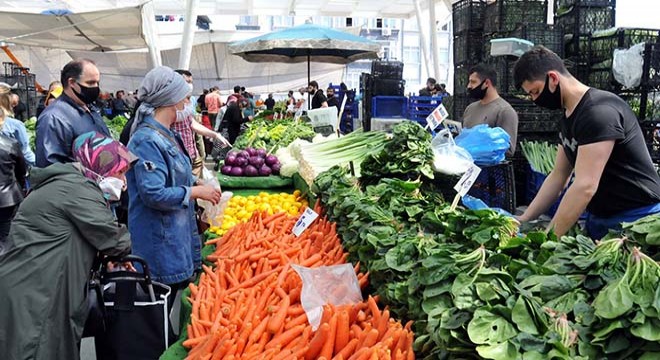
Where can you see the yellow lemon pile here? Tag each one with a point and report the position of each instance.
(240, 208)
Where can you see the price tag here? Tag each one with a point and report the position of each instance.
(305, 220)
(467, 180)
(436, 117)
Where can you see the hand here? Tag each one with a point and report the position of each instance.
(222, 139)
(117, 266)
(206, 192)
(250, 118)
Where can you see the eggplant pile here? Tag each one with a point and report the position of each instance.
(250, 162)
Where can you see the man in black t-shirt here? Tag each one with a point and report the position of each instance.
(318, 99)
(332, 99)
(270, 102)
(601, 142)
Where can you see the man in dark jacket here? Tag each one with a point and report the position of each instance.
(234, 118)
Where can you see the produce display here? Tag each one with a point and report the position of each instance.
(240, 208)
(315, 158)
(540, 155)
(250, 162)
(116, 125)
(273, 134)
(31, 127)
(248, 305)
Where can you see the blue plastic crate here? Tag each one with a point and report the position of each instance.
(419, 107)
(389, 106)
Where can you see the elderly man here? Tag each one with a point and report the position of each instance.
(18, 107)
(71, 115)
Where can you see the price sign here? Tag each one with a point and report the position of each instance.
(305, 220)
(436, 117)
(467, 180)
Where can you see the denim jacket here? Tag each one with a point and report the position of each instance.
(16, 130)
(161, 215)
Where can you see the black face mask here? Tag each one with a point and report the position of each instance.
(547, 99)
(87, 94)
(477, 92)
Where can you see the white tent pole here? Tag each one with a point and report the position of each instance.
(188, 34)
(434, 40)
(149, 26)
(422, 36)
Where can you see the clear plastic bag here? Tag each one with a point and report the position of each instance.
(449, 158)
(213, 213)
(627, 65)
(336, 285)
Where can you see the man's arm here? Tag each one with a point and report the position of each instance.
(508, 120)
(206, 132)
(551, 189)
(589, 166)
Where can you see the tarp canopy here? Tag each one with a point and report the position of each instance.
(116, 29)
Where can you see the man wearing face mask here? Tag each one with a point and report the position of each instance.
(187, 127)
(491, 109)
(601, 144)
(72, 114)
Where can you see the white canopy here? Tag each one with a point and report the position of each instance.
(117, 29)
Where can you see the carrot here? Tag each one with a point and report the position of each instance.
(383, 322)
(363, 353)
(329, 345)
(343, 331)
(299, 320)
(370, 339)
(286, 337)
(347, 350)
(277, 321)
(373, 308)
(317, 342)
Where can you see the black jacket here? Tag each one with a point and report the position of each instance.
(233, 119)
(12, 172)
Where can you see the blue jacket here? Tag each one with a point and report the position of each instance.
(161, 214)
(16, 130)
(59, 124)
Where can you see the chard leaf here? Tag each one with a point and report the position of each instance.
(501, 351)
(489, 328)
(614, 300)
(649, 330)
(523, 317)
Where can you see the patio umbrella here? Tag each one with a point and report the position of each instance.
(307, 42)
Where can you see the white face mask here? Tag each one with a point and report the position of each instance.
(185, 113)
(112, 188)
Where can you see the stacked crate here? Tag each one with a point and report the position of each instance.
(24, 82)
(468, 23)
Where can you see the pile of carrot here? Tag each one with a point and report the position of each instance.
(248, 305)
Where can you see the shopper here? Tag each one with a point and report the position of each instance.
(601, 144)
(234, 118)
(430, 86)
(270, 102)
(318, 99)
(490, 108)
(57, 232)
(213, 105)
(18, 108)
(332, 100)
(161, 188)
(119, 106)
(13, 128)
(71, 115)
(12, 177)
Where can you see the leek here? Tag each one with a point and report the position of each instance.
(540, 155)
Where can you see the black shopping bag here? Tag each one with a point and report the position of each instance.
(136, 316)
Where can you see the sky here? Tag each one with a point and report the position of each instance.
(638, 13)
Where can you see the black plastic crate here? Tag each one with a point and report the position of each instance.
(645, 104)
(468, 15)
(533, 118)
(388, 87)
(387, 69)
(461, 101)
(559, 4)
(603, 78)
(652, 60)
(468, 47)
(583, 20)
(507, 15)
(461, 75)
(602, 45)
(550, 36)
(579, 68)
(549, 126)
(495, 185)
(504, 68)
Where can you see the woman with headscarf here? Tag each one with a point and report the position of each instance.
(161, 188)
(58, 231)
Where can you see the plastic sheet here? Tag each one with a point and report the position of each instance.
(627, 65)
(486, 145)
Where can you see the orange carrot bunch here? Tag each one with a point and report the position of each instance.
(248, 305)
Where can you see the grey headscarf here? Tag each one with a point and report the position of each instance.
(161, 87)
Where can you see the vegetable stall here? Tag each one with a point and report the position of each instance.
(437, 281)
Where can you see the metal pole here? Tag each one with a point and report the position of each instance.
(309, 79)
(188, 35)
(149, 31)
(422, 36)
(434, 40)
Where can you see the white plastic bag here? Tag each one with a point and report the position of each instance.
(336, 285)
(627, 65)
(449, 158)
(213, 213)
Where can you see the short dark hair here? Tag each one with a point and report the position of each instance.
(183, 72)
(484, 72)
(242, 88)
(237, 89)
(314, 84)
(205, 91)
(290, 92)
(73, 70)
(535, 64)
(430, 80)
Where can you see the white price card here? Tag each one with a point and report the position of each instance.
(305, 220)
(467, 180)
(436, 117)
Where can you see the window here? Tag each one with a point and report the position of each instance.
(411, 54)
(443, 56)
(390, 23)
(282, 21)
(249, 20)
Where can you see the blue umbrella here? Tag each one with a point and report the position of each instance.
(306, 42)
